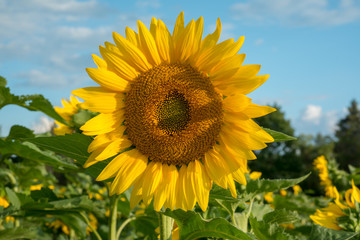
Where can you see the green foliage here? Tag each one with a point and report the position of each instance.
(347, 148)
(30, 102)
(193, 226)
(279, 136)
(322, 233)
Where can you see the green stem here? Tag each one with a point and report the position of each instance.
(113, 217)
(90, 226)
(166, 225)
(123, 226)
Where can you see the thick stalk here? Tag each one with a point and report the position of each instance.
(166, 225)
(113, 217)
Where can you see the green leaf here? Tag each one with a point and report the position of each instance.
(266, 185)
(31, 102)
(18, 132)
(193, 226)
(322, 233)
(18, 233)
(71, 145)
(82, 116)
(281, 216)
(30, 151)
(3, 81)
(43, 193)
(13, 198)
(266, 231)
(279, 136)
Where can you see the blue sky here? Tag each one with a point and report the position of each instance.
(310, 48)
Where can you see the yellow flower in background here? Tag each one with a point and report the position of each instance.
(93, 222)
(327, 217)
(296, 189)
(283, 192)
(269, 197)
(174, 107)
(320, 164)
(66, 112)
(255, 175)
(55, 225)
(4, 202)
(36, 187)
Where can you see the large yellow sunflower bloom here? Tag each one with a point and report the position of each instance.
(174, 107)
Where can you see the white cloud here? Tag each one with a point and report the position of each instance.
(259, 41)
(298, 13)
(44, 124)
(312, 114)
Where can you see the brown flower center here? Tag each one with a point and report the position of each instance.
(173, 114)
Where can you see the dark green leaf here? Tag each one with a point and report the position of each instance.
(266, 185)
(17, 233)
(74, 146)
(13, 198)
(45, 193)
(18, 132)
(279, 136)
(322, 233)
(30, 151)
(193, 226)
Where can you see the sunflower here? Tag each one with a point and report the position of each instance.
(70, 107)
(321, 165)
(173, 114)
(329, 216)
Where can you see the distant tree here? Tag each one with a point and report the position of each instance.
(279, 159)
(347, 147)
(291, 159)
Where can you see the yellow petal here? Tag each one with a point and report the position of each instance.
(103, 123)
(180, 189)
(215, 165)
(236, 103)
(120, 66)
(131, 53)
(128, 166)
(108, 79)
(100, 63)
(132, 36)
(255, 111)
(202, 185)
(152, 178)
(211, 39)
(148, 45)
(173, 174)
(189, 186)
(239, 176)
(98, 99)
(164, 43)
(153, 25)
(114, 148)
(242, 86)
(219, 52)
(184, 45)
(136, 193)
(179, 27)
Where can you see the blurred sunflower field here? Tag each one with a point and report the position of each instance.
(46, 194)
(94, 175)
